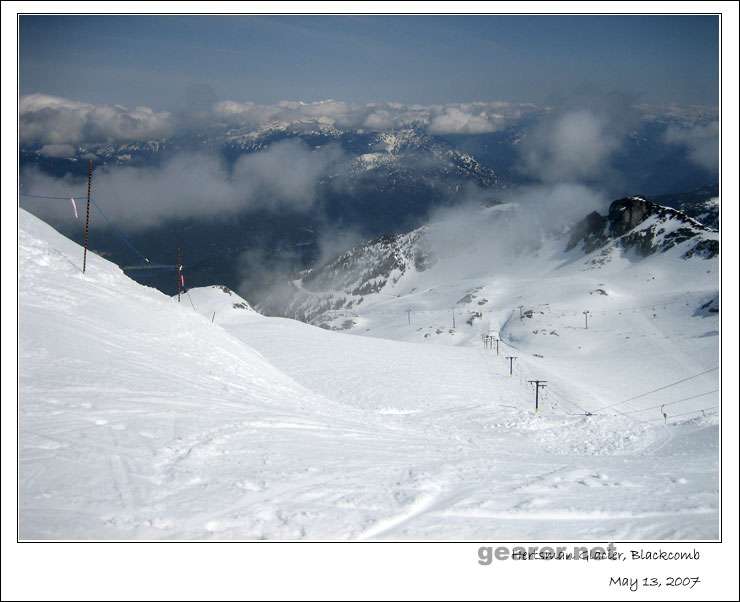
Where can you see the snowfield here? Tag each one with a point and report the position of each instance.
(144, 418)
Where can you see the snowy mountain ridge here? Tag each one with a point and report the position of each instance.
(409, 148)
(363, 270)
(332, 294)
(398, 152)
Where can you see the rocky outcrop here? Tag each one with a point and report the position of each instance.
(589, 231)
(637, 225)
(626, 214)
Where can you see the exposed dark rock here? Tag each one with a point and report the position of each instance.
(476, 315)
(708, 308)
(638, 225)
(590, 230)
(626, 214)
(705, 249)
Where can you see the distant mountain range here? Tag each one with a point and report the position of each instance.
(398, 156)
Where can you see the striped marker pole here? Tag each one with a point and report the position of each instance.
(179, 274)
(87, 213)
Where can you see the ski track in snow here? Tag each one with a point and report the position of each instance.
(141, 419)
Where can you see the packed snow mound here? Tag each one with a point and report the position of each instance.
(220, 304)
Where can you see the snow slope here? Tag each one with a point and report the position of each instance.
(478, 463)
(141, 418)
(138, 417)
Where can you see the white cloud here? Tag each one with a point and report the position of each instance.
(57, 150)
(470, 235)
(701, 142)
(52, 120)
(285, 175)
(465, 118)
(245, 113)
(571, 146)
(378, 120)
(454, 120)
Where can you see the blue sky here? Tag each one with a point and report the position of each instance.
(155, 60)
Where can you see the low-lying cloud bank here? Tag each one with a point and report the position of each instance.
(701, 142)
(468, 118)
(574, 145)
(51, 120)
(477, 239)
(285, 175)
(570, 140)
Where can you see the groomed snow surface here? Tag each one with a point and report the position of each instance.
(144, 418)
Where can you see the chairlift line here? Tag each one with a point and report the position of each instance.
(132, 268)
(672, 402)
(660, 388)
(55, 198)
(714, 409)
(113, 227)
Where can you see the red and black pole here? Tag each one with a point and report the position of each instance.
(87, 213)
(180, 278)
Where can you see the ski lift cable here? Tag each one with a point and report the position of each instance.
(56, 198)
(659, 388)
(557, 397)
(714, 409)
(612, 310)
(670, 403)
(629, 417)
(132, 268)
(118, 232)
